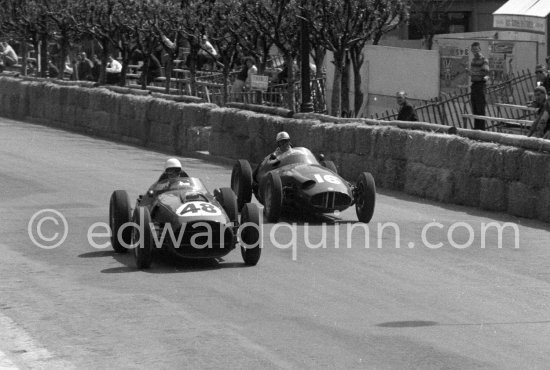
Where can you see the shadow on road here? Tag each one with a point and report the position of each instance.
(163, 263)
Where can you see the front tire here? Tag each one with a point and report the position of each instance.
(143, 244)
(251, 236)
(119, 214)
(228, 200)
(272, 196)
(365, 198)
(241, 182)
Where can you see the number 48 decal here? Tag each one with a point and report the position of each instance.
(328, 178)
(198, 209)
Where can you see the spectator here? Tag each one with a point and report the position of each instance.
(543, 79)
(113, 70)
(96, 69)
(548, 65)
(479, 75)
(243, 77)
(207, 54)
(8, 57)
(540, 126)
(84, 68)
(406, 110)
(53, 71)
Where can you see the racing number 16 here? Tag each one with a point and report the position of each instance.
(327, 178)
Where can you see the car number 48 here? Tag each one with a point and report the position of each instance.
(328, 178)
(198, 209)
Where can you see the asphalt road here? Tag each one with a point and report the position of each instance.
(356, 302)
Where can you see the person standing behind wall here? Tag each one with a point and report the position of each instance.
(479, 75)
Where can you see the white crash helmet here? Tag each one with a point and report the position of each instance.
(172, 163)
(283, 135)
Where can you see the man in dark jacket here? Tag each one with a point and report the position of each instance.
(406, 111)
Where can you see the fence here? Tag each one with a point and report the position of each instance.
(448, 110)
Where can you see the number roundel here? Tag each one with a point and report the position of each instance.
(327, 178)
(192, 209)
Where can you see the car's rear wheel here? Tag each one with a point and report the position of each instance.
(272, 196)
(119, 214)
(251, 236)
(228, 200)
(241, 182)
(330, 165)
(142, 238)
(365, 197)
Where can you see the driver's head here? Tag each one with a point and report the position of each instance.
(172, 167)
(283, 141)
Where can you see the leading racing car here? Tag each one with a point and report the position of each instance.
(180, 215)
(297, 180)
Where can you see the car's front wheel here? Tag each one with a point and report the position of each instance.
(142, 238)
(365, 197)
(241, 182)
(119, 215)
(272, 196)
(251, 235)
(228, 200)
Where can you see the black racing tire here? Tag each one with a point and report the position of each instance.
(241, 182)
(143, 244)
(330, 165)
(251, 236)
(119, 214)
(228, 200)
(365, 197)
(272, 196)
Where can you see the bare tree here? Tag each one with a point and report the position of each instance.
(428, 16)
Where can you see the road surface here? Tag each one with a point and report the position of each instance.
(357, 301)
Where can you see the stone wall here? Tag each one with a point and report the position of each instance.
(450, 168)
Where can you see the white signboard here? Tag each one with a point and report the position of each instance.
(259, 82)
(519, 22)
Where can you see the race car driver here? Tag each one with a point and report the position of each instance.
(283, 145)
(172, 170)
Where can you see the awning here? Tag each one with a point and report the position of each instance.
(524, 15)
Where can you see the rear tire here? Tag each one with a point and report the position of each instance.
(228, 200)
(366, 197)
(272, 196)
(143, 244)
(119, 214)
(251, 237)
(241, 182)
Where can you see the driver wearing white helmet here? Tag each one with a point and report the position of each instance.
(172, 170)
(283, 143)
(283, 146)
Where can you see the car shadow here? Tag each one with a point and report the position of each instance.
(311, 219)
(163, 263)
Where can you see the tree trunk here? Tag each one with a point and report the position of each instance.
(335, 102)
(145, 72)
(25, 51)
(168, 72)
(357, 59)
(193, 58)
(44, 55)
(345, 87)
(291, 97)
(319, 58)
(125, 61)
(104, 55)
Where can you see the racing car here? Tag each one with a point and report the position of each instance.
(297, 180)
(181, 216)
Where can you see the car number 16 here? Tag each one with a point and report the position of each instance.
(328, 178)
